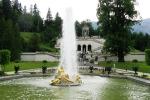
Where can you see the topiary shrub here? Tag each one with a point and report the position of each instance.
(135, 69)
(4, 58)
(1, 72)
(44, 61)
(147, 56)
(44, 67)
(16, 68)
(134, 60)
(108, 69)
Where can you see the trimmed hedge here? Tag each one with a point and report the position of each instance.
(4, 57)
(147, 56)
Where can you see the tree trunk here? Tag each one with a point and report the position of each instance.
(120, 57)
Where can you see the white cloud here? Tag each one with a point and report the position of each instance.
(82, 9)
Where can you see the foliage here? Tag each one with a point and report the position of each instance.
(34, 43)
(16, 69)
(91, 69)
(108, 69)
(140, 41)
(134, 60)
(29, 65)
(2, 73)
(9, 30)
(147, 56)
(4, 57)
(143, 67)
(116, 19)
(44, 69)
(25, 22)
(14, 19)
(135, 69)
(44, 61)
(79, 25)
(53, 29)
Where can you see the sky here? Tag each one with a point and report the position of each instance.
(82, 9)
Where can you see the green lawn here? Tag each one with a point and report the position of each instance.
(143, 67)
(29, 65)
(46, 47)
(26, 35)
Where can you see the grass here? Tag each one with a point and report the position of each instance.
(29, 65)
(26, 35)
(143, 67)
(46, 47)
(43, 46)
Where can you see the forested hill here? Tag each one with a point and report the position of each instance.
(22, 31)
(143, 26)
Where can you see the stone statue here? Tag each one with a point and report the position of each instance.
(62, 78)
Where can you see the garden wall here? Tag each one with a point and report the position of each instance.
(129, 57)
(37, 56)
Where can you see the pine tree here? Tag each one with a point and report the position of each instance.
(31, 9)
(49, 16)
(58, 25)
(49, 19)
(25, 10)
(37, 20)
(17, 11)
(78, 29)
(7, 9)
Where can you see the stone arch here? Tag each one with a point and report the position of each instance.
(84, 48)
(79, 48)
(89, 47)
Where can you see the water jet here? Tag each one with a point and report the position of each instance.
(67, 72)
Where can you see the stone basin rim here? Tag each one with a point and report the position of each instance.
(66, 85)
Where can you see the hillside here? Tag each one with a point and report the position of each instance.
(44, 47)
(26, 35)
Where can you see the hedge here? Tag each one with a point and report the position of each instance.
(147, 56)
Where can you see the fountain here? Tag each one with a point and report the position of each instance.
(67, 73)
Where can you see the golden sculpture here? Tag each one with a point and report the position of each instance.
(62, 78)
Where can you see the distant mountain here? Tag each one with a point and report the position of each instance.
(94, 25)
(143, 26)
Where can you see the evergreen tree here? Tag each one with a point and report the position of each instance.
(116, 19)
(9, 31)
(58, 25)
(17, 11)
(49, 19)
(140, 41)
(1, 10)
(7, 9)
(31, 9)
(37, 20)
(25, 22)
(49, 16)
(25, 10)
(78, 29)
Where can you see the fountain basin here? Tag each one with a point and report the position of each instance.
(92, 88)
(74, 84)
